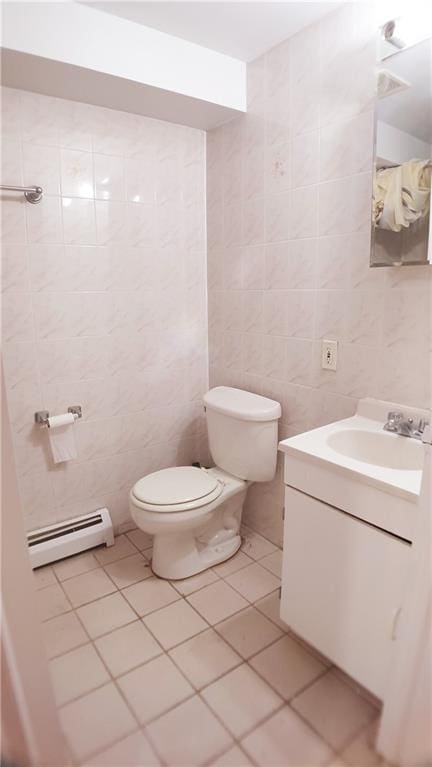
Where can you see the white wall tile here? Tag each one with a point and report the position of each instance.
(39, 119)
(15, 272)
(310, 277)
(96, 311)
(75, 124)
(11, 114)
(13, 220)
(109, 177)
(79, 227)
(76, 174)
(41, 167)
(11, 162)
(44, 221)
(305, 159)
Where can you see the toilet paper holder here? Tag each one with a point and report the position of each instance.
(41, 416)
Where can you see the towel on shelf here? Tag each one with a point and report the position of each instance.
(401, 195)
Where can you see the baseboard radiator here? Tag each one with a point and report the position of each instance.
(63, 539)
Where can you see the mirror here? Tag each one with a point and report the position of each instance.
(401, 200)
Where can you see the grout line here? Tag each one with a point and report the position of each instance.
(196, 691)
(250, 602)
(262, 721)
(219, 632)
(311, 725)
(113, 680)
(87, 760)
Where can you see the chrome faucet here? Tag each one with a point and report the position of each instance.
(405, 427)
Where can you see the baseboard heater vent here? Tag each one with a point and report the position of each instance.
(54, 542)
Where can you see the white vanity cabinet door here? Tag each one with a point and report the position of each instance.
(342, 586)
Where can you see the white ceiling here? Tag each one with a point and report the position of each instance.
(243, 30)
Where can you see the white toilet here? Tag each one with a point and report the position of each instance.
(194, 514)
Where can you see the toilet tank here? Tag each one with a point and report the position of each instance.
(242, 432)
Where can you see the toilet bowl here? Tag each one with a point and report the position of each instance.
(194, 514)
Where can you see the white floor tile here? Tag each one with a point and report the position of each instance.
(96, 721)
(88, 587)
(129, 570)
(241, 699)
(273, 562)
(234, 757)
(361, 751)
(140, 539)
(133, 751)
(99, 727)
(76, 565)
(205, 658)
(150, 594)
(285, 741)
(270, 606)
(105, 615)
(76, 673)
(254, 545)
(62, 634)
(344, 677)
(52, 601)
(217, 601)
(122, 548)
(253, 582)
(44, 576)
(189, 585)
(127, 647)
(287, 667)
(174, 624)
(190, 735)
(334, 709)
(248, 632)
(148, 554)
(236, 562)
(313, 651)
(154, 688)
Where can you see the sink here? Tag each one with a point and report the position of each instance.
(357, 467)
(387, 450)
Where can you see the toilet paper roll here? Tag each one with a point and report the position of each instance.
(62, 437)
(61, 420)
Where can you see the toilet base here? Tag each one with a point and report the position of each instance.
(182, 556)
(184, 543)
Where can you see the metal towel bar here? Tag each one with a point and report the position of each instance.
(32, 194)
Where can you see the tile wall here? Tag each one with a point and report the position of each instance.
(288, 196)
(104, 298)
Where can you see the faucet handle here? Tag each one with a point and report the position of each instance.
(422, 425)
(393, 421)
(394, 417)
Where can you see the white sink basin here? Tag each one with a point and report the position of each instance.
(379, 449)
(356, 466)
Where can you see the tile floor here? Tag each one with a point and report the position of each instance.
(197, 672)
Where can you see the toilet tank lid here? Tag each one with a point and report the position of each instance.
(242, 404)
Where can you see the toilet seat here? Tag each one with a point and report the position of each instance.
(179, 488)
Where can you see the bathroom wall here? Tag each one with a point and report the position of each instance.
(289, 189)
(104, 301)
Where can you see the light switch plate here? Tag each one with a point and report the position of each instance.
(329, 352)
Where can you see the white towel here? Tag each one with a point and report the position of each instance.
(402, 194)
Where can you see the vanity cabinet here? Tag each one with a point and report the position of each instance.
(342, 586)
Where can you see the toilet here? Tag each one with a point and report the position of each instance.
(194, 514)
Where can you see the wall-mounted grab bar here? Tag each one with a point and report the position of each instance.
(32, 194)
